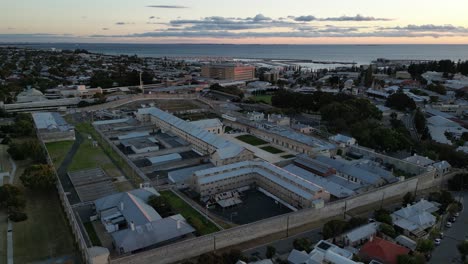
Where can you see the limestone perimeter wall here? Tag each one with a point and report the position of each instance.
(230, 237)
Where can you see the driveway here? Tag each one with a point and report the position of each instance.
(447, 251)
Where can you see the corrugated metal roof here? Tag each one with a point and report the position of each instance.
(227, 148)
(151, 233)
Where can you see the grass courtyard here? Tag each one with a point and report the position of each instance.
(272, 150)
(252, 140)
(58, 151)
(102, 156)
(198, 221)
(262, 98)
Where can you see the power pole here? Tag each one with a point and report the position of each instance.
(141, 83)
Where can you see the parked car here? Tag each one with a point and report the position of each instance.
(437, 241)
(457, 214)
(441, 235)
(452, 219)
(448, 224)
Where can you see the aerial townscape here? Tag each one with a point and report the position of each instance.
(220, 141)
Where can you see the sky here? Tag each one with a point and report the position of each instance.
(236, 21)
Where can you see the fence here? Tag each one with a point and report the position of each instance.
(134, 169)
(67, 208)
(234, 236)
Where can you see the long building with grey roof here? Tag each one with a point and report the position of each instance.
(221, 151)
(295, 190)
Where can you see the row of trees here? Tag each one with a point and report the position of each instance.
(445, 66)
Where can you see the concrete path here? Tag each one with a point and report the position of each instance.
(10, 225)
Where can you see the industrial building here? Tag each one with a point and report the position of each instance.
(285, 186)
(228, 72)
(221, 151)
(51, 127)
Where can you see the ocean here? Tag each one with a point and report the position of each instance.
(360, 54)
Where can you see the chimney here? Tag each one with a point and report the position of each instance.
(179, 224)
(121, 206)
(132, 226)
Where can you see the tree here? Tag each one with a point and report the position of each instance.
(39, 176)
(302, 244)
(425, 246)
(11, 197)
(333, 228)
(400, 101)
(17, 216)
(232, 257)
(453, 208)
(160, 204)
(411, 259)
(463, 249)
(408, 198)
(388, 230)
(383, 216)
(270, 252)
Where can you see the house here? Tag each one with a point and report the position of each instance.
(135, 225)
(360, 235)
(415, 219)
(343, 140)
(382, 250)
(323, 252)
(402, 75)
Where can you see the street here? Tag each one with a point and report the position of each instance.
(408, 120)
(447, 251)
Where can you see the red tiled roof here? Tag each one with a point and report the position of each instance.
(382, 250)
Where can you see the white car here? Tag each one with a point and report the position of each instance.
(437, 241)
(448, 224)
(457, 214)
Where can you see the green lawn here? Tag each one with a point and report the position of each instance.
(92, 234)
(88, 157)
(58, 151)
(288, 156)
(272, 150)
(104, 147)
(45, 233)
(263, 98)
(252, 140)
(198, 221)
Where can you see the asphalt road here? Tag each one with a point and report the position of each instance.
(408, 120)
(447, 251)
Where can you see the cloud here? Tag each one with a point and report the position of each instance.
(429, 28)
(120, 23)
(303, 31)
(304, 18)
(229, 23)
(167, 6)
(105, 28)
(357, 18)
